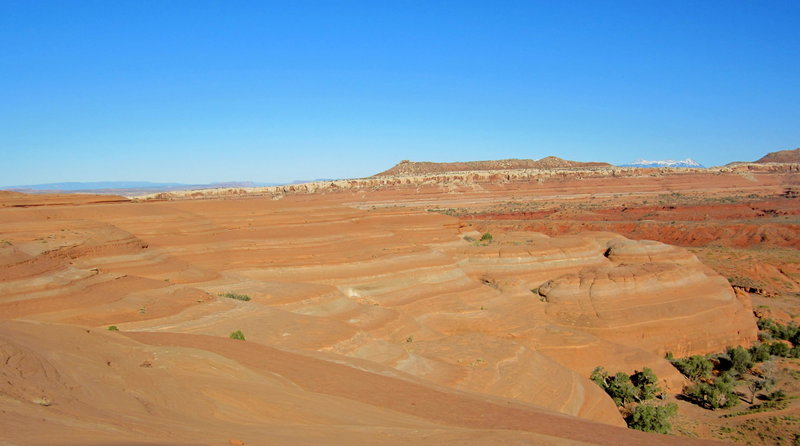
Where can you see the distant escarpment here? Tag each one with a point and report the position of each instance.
(406, 167)
(771, 179)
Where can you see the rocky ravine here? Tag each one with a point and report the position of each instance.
(560, 181)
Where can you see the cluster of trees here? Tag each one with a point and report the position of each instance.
(624, 388)
(719, 393)
(711, 393)
(633, 393)
(715, 377)
(773, 330)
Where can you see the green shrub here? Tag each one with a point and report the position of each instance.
(621, 389)
(779, 349)
(760, 352)
(599, 376)
(777, 395)
(650, 418)
(229, 295)
(694, 367)
(759, 385)
(113, 328)
(646, 382)
(789, 332)
(741, 360)
(624, 389)
(486, 237)
(719, 394)
(238, 335)
(756, 408)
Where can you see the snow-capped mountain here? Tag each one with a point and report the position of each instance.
(688, 162)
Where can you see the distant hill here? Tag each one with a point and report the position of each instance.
(782, 156)
(426, 168)
(688, 162)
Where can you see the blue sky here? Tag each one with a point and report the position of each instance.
(201, 91)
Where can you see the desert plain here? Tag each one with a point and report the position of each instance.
(411, 307)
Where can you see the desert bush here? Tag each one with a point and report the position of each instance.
(779, 349)
(238, 335)
(599, 376)
(789, 332)
(718, 395)
(486, 237)
(646, 383)
(624, 389)
(694, 367)
(621, 389)
(760, 352)
(778, 395)
(113, 328)
(758, 385)
(741, 360)
(637, 388)
(756, 408)
(229, 295)
(651, 418)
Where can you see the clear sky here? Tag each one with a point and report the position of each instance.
(201, 91)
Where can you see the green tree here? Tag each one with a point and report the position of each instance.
(759, 352)
(650, 418)
(741, 360)
(646, 383)
(694, 367)
(624, 389)
(719, 394)
(600, 377)
(789, 332)
(758, 385)
(621, 389)
(779, 349)
(238, 335)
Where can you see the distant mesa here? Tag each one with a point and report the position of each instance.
(407, 167)
(779, 157)
(688, 162)
(782, 156)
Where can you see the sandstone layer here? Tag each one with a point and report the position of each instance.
(426, 168)
(371, 320)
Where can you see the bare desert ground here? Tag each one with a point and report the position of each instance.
(376, 314)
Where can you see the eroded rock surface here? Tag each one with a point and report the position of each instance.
(390, 316)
